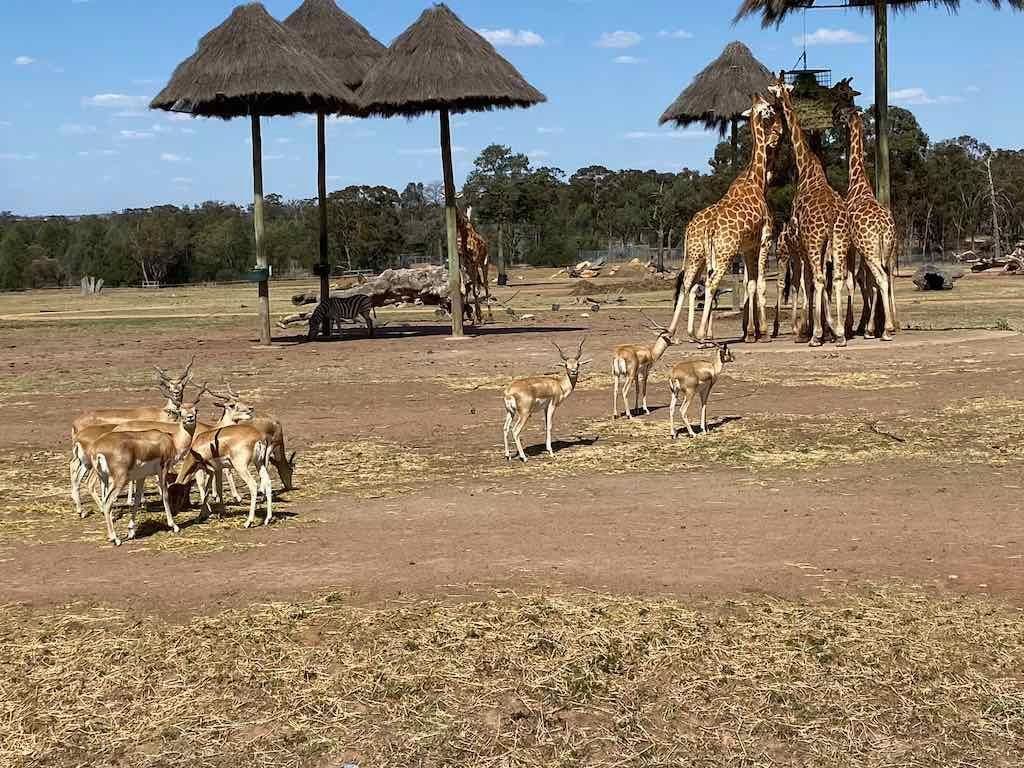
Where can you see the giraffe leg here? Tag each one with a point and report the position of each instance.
(749, 308)
(883, 291)
(762, 282)
(714, 279)
(691, 313)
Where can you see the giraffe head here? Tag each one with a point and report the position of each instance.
(768, 114)
(844, 95)
(781, 89)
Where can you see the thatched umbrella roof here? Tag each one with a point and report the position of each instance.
(252, 65)
(775, 11)
(722, 92)
(341, 42)
(441, 64)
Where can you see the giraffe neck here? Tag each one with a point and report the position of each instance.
(860, 184)
(807, 163)
(759, 162)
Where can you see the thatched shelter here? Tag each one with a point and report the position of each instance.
(251, 66)
(441, 65)
(348, 51)
(721, 93)
(774, 12)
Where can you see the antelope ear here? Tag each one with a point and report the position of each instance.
(586, 362)
(746, 114)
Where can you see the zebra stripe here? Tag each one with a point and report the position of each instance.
(341, 310)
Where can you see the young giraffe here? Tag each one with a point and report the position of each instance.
(819, 211)
(742, 225)
(870, 228)
(698, 240)
(475, 262)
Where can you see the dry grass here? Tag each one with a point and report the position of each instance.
(880, 679)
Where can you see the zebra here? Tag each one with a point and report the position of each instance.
(339, 310)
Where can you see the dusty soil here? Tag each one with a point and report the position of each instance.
(824, 468)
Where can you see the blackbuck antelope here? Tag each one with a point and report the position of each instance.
(82, 463)
(172, 388)
(274, 433)
(696, 378)
(632, 365)
(524, 396)
(236, 447)
(124, 457)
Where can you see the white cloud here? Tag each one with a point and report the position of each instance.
(136, 135)
(120, 101)
(826, 36)
(627, 60)
(620, 38)
(675, 34)
(170, 157)
(512, 38)
(920, 97)
(6, 124)
(15, 157)
(76, 129)
(24, 61)
(550, 129)
(672, 135)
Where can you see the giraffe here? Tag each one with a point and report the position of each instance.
(870, 231)
(742, 226)
(475, 262)
(819, 211)
(790, 284)
(696, 241)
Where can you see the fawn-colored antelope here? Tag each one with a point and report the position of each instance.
(120, 458)
(272, 429)
(632, 364)
(82, 463)
(524, 396)
(235, 447)
(696, 378)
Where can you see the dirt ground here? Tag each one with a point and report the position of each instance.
(826, 473)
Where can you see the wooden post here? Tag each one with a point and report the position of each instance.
(454, 266)
(735, 144)
(502, 266)
(882, 190)
(257, 217)
(321, 169)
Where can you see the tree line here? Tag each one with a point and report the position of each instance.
(948, 196)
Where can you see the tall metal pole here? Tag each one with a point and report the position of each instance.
(882, 189)
(257, 216)
(454, 266)
(321, 169)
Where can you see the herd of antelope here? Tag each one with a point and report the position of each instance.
(115, 450)
(689, 381)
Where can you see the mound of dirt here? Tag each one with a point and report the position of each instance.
(585, 288)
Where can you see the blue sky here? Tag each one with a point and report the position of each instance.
(75, 76)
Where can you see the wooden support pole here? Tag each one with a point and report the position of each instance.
(454, 265)
(257, 217)
(882, 189)
(321, 169)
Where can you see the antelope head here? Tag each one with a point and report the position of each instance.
(173, 388)
(664, 333)
(234, 409)
(573, 364)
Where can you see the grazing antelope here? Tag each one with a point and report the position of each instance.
(172, 388)
(524, 396)
(696, 378)
(236, 447)
(632, 364)
(120, 458)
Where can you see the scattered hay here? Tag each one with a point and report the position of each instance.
(882, 678)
